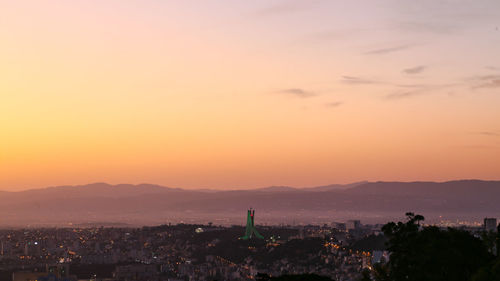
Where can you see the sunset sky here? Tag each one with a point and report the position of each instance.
(243, 94)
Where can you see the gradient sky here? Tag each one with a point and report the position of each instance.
(241, 94)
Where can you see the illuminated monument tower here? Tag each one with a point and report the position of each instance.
(250, 230)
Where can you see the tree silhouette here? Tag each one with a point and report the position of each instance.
(429, 253)
(491, 272)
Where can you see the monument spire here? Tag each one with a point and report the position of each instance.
(250, 229)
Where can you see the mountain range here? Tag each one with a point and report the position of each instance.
(147, 204)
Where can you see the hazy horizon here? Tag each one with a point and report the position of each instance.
(453, 201)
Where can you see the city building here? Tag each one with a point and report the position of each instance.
(353, 224)
(490, 224)
(51, 273)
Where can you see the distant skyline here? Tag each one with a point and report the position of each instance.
(240, 94)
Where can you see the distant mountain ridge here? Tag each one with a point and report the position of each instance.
(150, 204)
(105, 188)
(152, 188)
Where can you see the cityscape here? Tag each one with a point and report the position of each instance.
(339, 250)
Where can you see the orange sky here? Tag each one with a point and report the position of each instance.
(242, 94)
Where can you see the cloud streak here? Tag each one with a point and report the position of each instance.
(416, 90)
(414, 70)
(334, 104)
(354, 80)
(389, 50)
(297, 92)
(489, 133)
(288, 7)
(486, 82)
(479, 146)
(405, 94)
(495, 83)
(439, 28)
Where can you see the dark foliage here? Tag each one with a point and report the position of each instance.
(300, 277)
(84, 271)
(490, 272)
(370, 243)
(429, 253)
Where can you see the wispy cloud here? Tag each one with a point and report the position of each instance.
(489, 133)
(389, 50)
(339, 34)
(415, 70)
(440, 28)
(286, 7)
(297, 92)
(493, 83)
(334, 104)
(405, 94)
(486, 81)
(358, 80)
(492, 68)
(416, 90)
(480, 146)
(411, 86)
